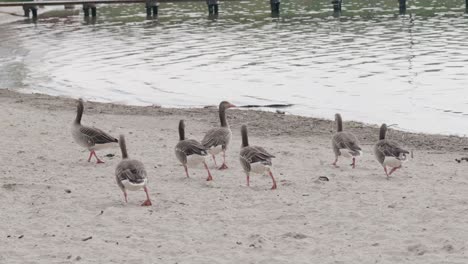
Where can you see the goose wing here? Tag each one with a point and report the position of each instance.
(96, 136)
(254, 154)
(346, 140)
(131, 170)
(190, 147)
(216, 136)
(390, 149)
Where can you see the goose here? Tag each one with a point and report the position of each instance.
(216, 140)
(190, 152)
(130, 174)
(345, 143)
(255, 159)
(89, 137)
(388, 153)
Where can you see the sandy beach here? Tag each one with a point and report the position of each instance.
(58, 208)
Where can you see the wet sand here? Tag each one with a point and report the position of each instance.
(58, 208)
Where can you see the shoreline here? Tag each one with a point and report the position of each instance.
(15, 13)
(288, 124)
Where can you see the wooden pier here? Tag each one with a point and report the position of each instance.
(152, 5)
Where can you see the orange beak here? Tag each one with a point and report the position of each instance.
(231, 105)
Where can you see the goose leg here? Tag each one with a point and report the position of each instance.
(186, 171)
(90, 155)
(354, 163)
(334, 163)
(224, 166)
(148, 201)
(209, 173)
(214, 159)
(385, 169)
(98, 160)
(125, 195)
(248, 179)
(274, 182)
(393, 170)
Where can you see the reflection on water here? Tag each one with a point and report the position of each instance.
(369, 63)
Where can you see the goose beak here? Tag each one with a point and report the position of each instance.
(231, 105)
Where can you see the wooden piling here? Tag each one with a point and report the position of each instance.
(86, 10)
(336, 5)
(402, 6)
(34, 11)
(87, 7)
(212, 7)
(151, 5)
(26, 11)
(275, 6)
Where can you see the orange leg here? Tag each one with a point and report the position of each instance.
(148, 201)
(186, 171)
(274, 182)
(393, 170)
(209, 174)
(94, 153)
(224, 166)
(125, 195)
(334, 163)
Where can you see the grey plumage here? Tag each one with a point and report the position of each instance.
(254, 158)
(190, 149)
(344, 143)
(388, 152)
(89, 137)
(217, 139)
(345, 140)
(130, 174)
(220, 136)
(389, 148)
(187, 147)
(252, 154)
(130, 170)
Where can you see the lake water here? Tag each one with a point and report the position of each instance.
(370, 64)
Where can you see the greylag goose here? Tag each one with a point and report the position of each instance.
(130, 174)
(190, 152)
(89, 137)
(345, 143)
(388, 153)
(255, 159)
(216, 140)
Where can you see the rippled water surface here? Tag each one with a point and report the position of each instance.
(370, 64)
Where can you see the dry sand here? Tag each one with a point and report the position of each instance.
(57, 208)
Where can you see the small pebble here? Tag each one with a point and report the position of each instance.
(67, 190)
(323, 178)
(86, 239)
